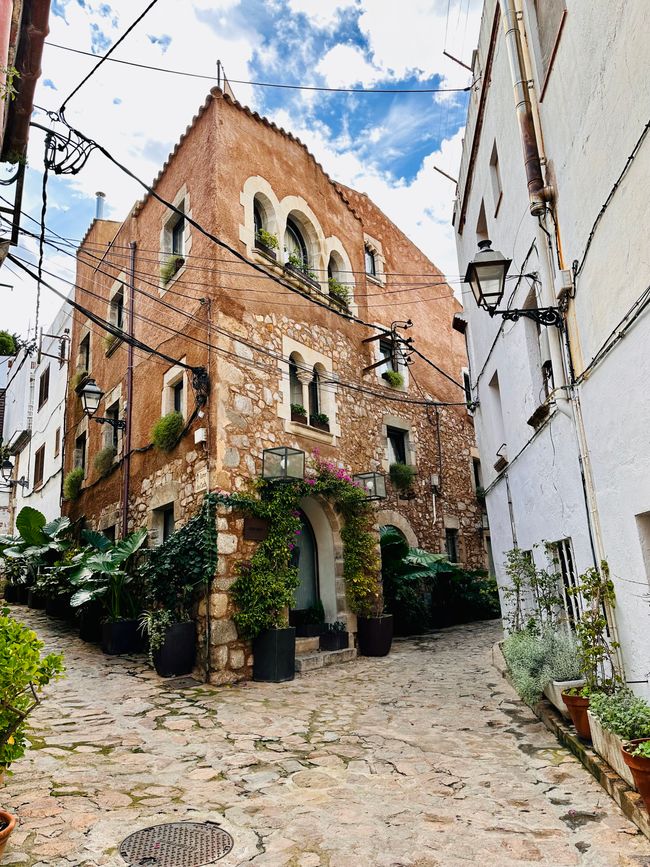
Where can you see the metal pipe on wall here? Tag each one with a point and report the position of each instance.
(126, 464)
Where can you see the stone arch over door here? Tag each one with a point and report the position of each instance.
(387, 517)
(326, 525)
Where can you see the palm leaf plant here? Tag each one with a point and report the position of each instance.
(100, 573)
(38, 545)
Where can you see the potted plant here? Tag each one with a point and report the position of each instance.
(167, 431)
(537, 657)
(266, 242)
(402, 476)
(595, 650)
(339, 293)
(334, 636)
(99, 573)
(170, 267)
(23, 674)
(173, 574)
(298, 413)
(614, 720)
(72, 483)
(320, 421)
(636, 755)
(297, 266)
(308, 621)
(394, 378)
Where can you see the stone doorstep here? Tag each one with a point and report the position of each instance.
(307, 645)
(627, 799)
(323, 658)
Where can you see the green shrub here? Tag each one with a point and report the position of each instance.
(622, 713)
(267, 238)
(170, 267)
(338, 291)
(298, 409)
(402, 475)
(103, 460)
(72, 483)
(8, 344)
(534, 660)
(23, 674)
(319, 418)
(394, 378)
(167, 431)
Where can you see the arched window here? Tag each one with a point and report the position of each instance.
(295, 385)
(371, 264)
(314, 394)
(257, 217)
(295, 245)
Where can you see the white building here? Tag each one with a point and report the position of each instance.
(34, 419)
(563, 420)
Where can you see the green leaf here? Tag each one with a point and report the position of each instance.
(56, 527)
(30, 523)
(97, 540)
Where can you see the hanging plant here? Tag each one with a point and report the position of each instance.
(170, 267)
(103, 460)
(402, 475)
(72, 483)
(394, 378)
(167, 431)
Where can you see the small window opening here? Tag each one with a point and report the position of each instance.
(396, 445)
(371, 263)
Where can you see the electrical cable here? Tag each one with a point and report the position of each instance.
(213, 78)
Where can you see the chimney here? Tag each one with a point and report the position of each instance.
(99, 212)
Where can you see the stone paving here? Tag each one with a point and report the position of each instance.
(421, 759)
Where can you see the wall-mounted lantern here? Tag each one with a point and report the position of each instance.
(91, 396)
(374, 484)
(283, 464)
(7, 470)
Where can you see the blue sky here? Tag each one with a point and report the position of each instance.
(385, 145)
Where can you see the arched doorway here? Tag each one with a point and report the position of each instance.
(307, 594)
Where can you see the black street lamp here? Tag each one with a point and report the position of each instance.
(7, 470)
(91, 397)
(486, 275)
(283, 464)
(374, 484)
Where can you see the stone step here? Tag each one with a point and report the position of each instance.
(312, 661)
(307, 645)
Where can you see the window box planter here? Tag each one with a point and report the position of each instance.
(609, 747)
(297, 271)
(553, 692)
(334, 640)
(299, 417)
(319, 425)
(640, 768)
(375, 635)
(274, 655)
(265, 249)
(177, 654)
(121, 636)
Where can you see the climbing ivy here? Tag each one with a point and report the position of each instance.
(265, 586)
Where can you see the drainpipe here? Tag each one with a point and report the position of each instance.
(538, 193)
(126, 466)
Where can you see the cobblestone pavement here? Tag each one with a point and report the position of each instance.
(423, 758)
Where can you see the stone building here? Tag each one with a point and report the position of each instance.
(563, 415)
(269, 327)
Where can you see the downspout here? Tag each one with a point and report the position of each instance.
(126, 465)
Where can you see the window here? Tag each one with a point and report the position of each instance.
(295, 385)
(258, 222)
(44, 386)
(39, 465)
(451, 545)
(314, 394)
(84, 354)
(550, 17)
(294, 245)
(112, 433)
(563, 556)
(371, 263)
(396, 445)
(476, 471)
(109, 532)
(177, 389)
(178, 235)
(386, 350)
(57, 442)
(467, 386)
(496, 412)
(116, 311)
(167, 521)
(80, 452)
(643, 529)
(495, 177)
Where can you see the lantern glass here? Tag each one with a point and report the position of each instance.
(91, 396)
(486, 274)
(7, 469)
(374, 484)
(283, 464)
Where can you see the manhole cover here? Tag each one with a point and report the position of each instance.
(178, 844)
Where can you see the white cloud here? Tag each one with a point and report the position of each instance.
(345, 66)
(322, 13)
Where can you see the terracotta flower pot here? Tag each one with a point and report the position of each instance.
(640, 768)
(577, 707)
(9, 823)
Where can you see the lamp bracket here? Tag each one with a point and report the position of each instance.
(117, 423)
(540, 315)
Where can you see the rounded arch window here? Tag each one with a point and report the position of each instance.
(371, 261)
(258, 220)
(295, 385)
(294, 244)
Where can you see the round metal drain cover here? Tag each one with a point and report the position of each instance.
(178, 844)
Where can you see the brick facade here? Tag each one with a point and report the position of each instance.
(219, 313)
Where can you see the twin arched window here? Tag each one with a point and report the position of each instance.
(295, 245)
(306, 391)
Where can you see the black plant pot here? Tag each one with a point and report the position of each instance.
(274, 655)
(177, 654)
(308, 630)
(11, 593)
(57, 606)
(375, 635)
(121, 636)
(22, 591)
(90, 623)
(334, 640)
(35, 599)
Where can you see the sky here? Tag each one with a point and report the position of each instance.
(385, 145)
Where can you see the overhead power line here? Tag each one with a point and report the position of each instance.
(213, 78)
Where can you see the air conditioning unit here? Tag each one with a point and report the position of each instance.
(200, 435)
